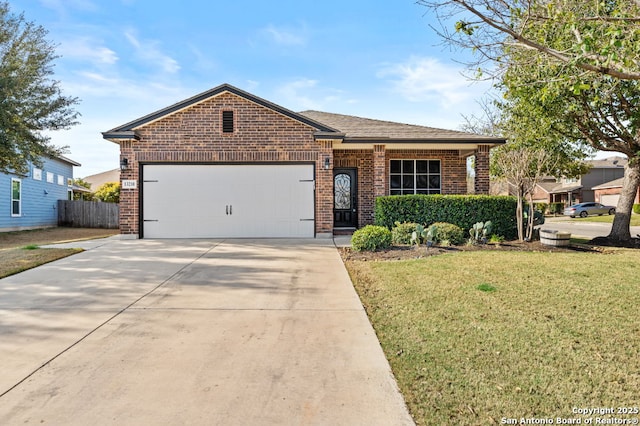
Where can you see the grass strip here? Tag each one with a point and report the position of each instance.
(13, 261)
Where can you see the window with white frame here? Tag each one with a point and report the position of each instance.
(16, 197)
(414, 177)
(37, 174)
(49, 177)
(60, 180)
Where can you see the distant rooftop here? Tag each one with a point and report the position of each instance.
(609, 162)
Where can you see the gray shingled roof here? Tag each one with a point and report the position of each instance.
(367, 128)
(616, 183)
(609, 162)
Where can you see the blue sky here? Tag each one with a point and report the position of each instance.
(127, 58)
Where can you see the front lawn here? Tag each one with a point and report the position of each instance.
(635, 219)
(482, 336)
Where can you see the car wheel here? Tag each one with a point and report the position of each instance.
(612, 211)
(584, 214)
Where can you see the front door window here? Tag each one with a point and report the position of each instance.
(342, 191)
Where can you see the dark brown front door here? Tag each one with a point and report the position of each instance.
(345, 197)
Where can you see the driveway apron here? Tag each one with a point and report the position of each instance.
(233, 332)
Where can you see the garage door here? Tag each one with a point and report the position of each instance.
(610, 199)
(228, 201)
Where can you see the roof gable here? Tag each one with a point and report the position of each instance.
(128, 130)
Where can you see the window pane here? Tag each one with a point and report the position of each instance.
(396, 192)
(395, 166)
(15, 207)
(422, 191)
(434, 166)
(396, 181)
(407, 181)
(421, 181)
(15, 190)
(434, 182)
(407, 166)
(421, 166)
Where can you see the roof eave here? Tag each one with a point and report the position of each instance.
(119, 136)
(383, 140)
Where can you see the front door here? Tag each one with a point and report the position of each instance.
(345, 197)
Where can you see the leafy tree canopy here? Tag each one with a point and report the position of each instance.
(31, 102)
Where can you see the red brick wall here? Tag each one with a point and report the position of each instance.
(195, 135)
(453, 173)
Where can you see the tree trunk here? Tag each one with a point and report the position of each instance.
(519, 220)
(620, 228)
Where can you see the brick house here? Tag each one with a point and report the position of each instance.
(582, 189)
(226, 163)
(609, 192)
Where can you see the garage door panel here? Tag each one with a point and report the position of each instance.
(227, 201)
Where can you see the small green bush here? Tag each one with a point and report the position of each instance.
(555, 208)
(401, 232)
(371, 238)
(636, 208)
(448, 231)
(541, 207)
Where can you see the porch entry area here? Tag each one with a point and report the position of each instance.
(345, 198)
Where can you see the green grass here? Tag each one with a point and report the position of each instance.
(635, 219)
(557, 332)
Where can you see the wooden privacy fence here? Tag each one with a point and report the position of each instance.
(88, 214)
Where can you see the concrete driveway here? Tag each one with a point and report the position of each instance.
(234, 332)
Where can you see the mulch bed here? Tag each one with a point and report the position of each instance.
(412, 252)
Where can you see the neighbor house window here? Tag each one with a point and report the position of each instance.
(414, 177)
(37, 174)
(16, 197)
(60, 180)
(49, 177)
(227, 122)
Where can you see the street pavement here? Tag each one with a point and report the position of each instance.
(582, 228)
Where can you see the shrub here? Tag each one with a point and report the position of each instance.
(541, 207)
(401, 232)
(450, 232)
(461, 210)
(371, 238)
(636, 208)
(556, 208)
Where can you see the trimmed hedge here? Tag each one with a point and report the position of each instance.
(461, 210)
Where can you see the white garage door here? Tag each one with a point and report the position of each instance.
(228, 201)
(610, 200)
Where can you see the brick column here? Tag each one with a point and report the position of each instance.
(324, 190)
(129, 212)
(379, 171)
(482, 170)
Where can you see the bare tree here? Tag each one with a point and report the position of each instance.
(523, 168)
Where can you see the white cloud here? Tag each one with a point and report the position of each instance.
(305, 93)
(61, 6)
(88, 50)
(286, 36)
(150, 52)
(423, 79)
(297, 94)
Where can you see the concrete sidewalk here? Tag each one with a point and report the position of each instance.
(236, 332)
